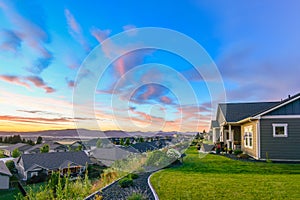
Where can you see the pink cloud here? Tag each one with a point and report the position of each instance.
(100, 35)
(131, 28)
(71, 83)
(75, 30)
(149, 92)
(14, 80)
(166, 100)
(38, 82)
(29, 33)
(120, 67)
(24, 81)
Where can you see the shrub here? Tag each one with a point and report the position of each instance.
(125, 182)
(137, 194)
(132, 176)
(16, 153)
(243, 156)
(237, 152)
(11, 166)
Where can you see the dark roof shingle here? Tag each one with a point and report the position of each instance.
(234, 112)
(54, 160)
(3, 169)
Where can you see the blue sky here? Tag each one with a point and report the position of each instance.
(43, 44)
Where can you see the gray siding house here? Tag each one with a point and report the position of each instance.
(42, 164)
(264, 130)
(4, 176)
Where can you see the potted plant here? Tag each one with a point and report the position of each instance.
(218, 148)
(230, 150)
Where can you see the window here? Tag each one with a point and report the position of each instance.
(248, 137)
(34, 174)
(280, 130)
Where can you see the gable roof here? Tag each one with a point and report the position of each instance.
(54, 160)
(146, 146)
(108, 155)
(234, 112)
(20, 146)
(4, 170)
(52, 146)
(279, 105)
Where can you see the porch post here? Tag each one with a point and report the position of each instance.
(230, 137)
(222, 134)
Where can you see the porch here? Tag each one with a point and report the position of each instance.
(230, 135)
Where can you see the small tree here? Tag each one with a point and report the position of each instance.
(10, 165)
(16, 153)
(30, 142)
(141, 139)
(99, 143)
(122, 141)
(45, 148)
(79, 148)
(127, 142)
(39, 140)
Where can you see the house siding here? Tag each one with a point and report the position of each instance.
(250, 151)
(4, 181)
(281, 148)
(292, 108)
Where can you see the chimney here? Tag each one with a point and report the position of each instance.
(289, 96)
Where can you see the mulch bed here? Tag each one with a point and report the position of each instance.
(115, 192)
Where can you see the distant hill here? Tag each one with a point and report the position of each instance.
(87, 133)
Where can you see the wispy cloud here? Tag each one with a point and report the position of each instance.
(75, 30)
(99, 34)
(11, 40)
(14, 80)
(25, 82)
(70, 83)
(131, 29)
(29, 33)
(151, 93)
(39, 82)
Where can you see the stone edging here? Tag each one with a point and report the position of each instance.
(151, 187)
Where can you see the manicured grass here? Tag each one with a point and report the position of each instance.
(217, 177)
(9, 194)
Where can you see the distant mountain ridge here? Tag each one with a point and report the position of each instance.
(86, 133)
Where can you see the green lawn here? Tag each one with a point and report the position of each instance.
(217, 177)
(9, 194)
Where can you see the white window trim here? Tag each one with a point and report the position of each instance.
(248, 146)
(280, 125)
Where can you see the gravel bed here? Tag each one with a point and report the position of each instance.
(115, 192)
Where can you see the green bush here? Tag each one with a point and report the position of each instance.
(237, 152)
(132, 176)
(125, 182)
(136, 196)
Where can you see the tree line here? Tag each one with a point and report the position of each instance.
(17, 139)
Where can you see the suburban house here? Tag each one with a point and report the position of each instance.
(53, 147)
(30, 165)
(21, 146)
(263, 130)
(107, 156)
(4, 176)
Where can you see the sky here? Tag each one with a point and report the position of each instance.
(50, 59)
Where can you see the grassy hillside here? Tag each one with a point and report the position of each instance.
(214, 177)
